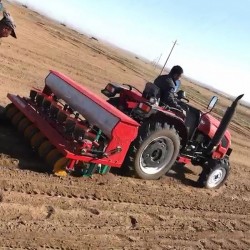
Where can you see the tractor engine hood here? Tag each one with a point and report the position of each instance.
(209, 125)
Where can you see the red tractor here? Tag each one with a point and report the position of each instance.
(76, 131)
(168, 135)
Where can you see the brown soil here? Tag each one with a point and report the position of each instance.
(41, 211)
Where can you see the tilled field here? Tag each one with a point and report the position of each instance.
(40, 211)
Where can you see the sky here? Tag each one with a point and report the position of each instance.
(213, 35)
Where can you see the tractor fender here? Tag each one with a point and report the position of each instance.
(172, 120)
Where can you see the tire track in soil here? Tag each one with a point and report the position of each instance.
(141, 236)
(39, 211)
(88, 214)
(89, 210)
(94, 206)
(93, 190)
(97, 212)
(148, 235)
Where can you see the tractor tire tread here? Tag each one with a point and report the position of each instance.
(202, 181)
(146, 130)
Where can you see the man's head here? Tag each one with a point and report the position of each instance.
(176, 72)
(7, 26)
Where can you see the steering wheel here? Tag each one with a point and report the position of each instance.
(182, 100)
(131, 87)
(181, 96)
(185, 99)
(181, 112)
(183, 104)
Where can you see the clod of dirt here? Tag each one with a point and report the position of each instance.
(36, 191)
(50, 211)
(133, 221)
(22, 222)
(94, 211)
(7, 161)
(132, 239)
(107, 178)
(101, 183)
(97, 196)
(161, 218)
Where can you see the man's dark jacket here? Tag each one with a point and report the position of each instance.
(167, 87)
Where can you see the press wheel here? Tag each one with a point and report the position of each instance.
(60, 165)
(16, 118)
(37, 139)
(52, 157)
(23, 124)
(30, 131)
(8, 107)
(11, 111)
(45, 148)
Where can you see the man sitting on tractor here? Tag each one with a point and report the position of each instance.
(167, 85)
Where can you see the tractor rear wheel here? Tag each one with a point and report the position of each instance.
(214, 174)
(154, 151)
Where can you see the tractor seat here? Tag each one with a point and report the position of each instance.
(151, 91)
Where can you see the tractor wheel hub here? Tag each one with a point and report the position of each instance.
(156, 155)
(216, 177)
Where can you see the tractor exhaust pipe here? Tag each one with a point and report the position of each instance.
(223, 125)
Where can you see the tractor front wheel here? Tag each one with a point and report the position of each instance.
(214, 174)
(154, 151)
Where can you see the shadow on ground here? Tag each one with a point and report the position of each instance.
(15, 150)
(180, 172)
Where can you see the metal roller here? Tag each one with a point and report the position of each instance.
(45, 148)
(16, 118)
(52, 157)
(30, 131)
(10, 112)
(23, 124)
(37, 139)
